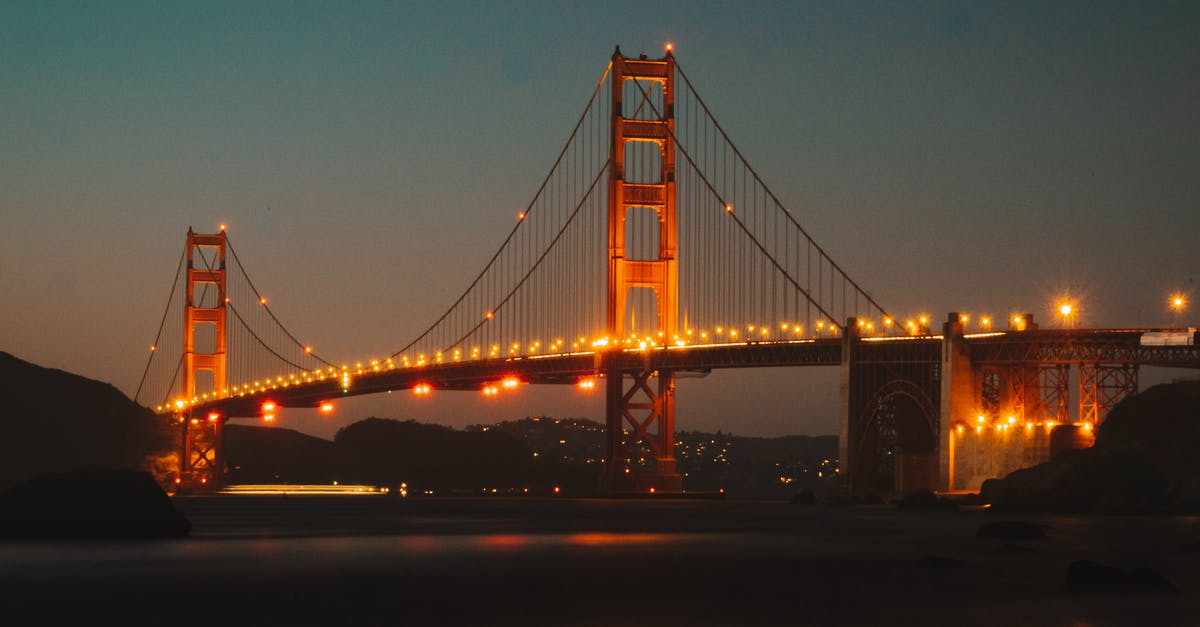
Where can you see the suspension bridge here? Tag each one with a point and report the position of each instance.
(650, 249)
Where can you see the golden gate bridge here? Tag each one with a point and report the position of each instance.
(653, 248)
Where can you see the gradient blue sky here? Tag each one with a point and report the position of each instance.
(368, 157)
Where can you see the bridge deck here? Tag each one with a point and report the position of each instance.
(1061, 346)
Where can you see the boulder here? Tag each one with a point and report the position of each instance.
(1091, 577)
(924, 499)
(1010, 530)
(1084, 482)
(804, 497)
(91, 502)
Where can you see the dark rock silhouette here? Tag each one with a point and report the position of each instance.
(937, 563)
(1143, 461)
(804, 497)
(92, 502)
(924, 499)
(1086, 576)
(1010, 530)
(1016, 549)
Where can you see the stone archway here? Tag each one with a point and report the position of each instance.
(896, 444)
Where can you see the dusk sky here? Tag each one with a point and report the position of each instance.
(369, 157)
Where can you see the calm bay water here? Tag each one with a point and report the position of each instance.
(383, 560)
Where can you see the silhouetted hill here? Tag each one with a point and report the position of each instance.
(274, 455)
(425, 456)
(54, 421)
(745, 465)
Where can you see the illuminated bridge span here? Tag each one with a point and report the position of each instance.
(651, 248)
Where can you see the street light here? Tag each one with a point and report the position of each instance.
(1177, 302)
(1065, 310)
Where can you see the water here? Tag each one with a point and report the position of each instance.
(382, 560)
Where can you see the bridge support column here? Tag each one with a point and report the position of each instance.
(1020, 394)
(850, 393)
(1102, 386)
(961, 400)
(640, 424)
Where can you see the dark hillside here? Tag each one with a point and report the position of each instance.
(55, 421)
(274, 455)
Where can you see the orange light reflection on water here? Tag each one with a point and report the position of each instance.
(614, 539)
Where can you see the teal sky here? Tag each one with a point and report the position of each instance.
(368, 157)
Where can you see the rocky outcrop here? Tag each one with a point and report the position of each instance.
(1143, 461)
(1085, 482)
(924, 499)
(90, 502)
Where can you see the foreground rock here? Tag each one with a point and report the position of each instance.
(1010, 530)
(924, 499)
(90, 503)
(1090, 577)
(1143, 462)
(1086, 482)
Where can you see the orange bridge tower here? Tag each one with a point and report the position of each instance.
(204, 314)
(641, 417)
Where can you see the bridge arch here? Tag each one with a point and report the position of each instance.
(897, 441)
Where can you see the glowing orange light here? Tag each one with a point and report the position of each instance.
(556, 489)
(1065, 309)
(268, 407)
(489, 315)
(521, 216)
(652, 490)
(262, 300)
(222, 228)
(178, 481)
(308, 349)
(728, 208)
(587, 384)
(669, 46)
(510, 383)
(326, 407)
(268, 417)
(153, 348)
(213, 416)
